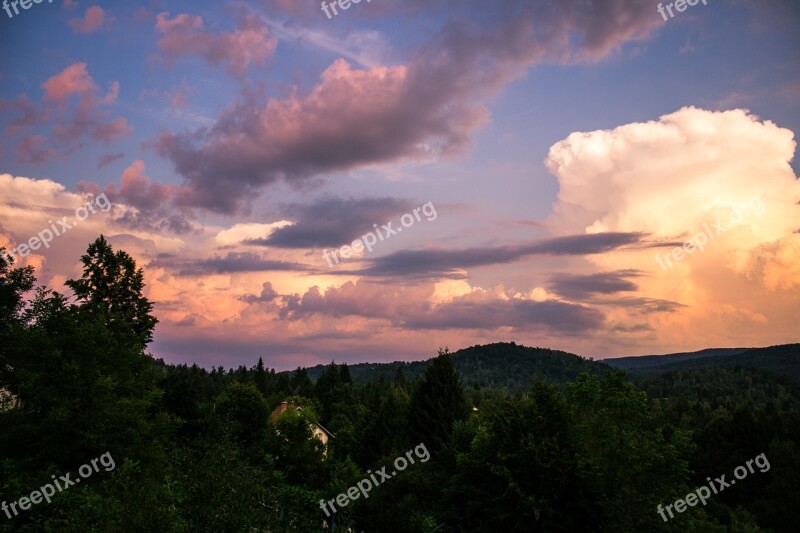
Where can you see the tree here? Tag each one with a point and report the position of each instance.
(437, 403)
(85, 387)
(111, 287)
(260, 377)
(344, 372)
(14, 284)
(243, 411)
(301, 383)
(328, 390)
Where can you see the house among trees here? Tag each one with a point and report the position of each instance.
(317, 429)
(7, 400)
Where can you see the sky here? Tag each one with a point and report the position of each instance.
(374, 183)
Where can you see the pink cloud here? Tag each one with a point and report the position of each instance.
(152, 202)
(94, 19)
(186, 35)
(351, 117)
(29, 150)
(72, 122)
(355, 117)
(137, 189)
(74, 79)
(179, 96)
(69, 4)
(91, 121)
(30, 114)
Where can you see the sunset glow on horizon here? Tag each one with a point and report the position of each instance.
(572, 153)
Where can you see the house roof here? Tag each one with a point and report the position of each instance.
(280, 409)
(286, 405)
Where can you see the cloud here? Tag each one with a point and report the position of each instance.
(238, 263)
(30, 114)
(352, 117)
(28, 206)
(74, 79)
(671, 178)
(88, 118)
(644, 305)
(555, 317)
(577, 286)
(30, 150)
(425, 109)
(185, 35)
(452, 262)
(148, 204)
(412, 308)
(268, 294)
(136, 188)
(634, 162)
(248, 232)
(368, 48)
(333, 221)
(106, 159)
(94, 19)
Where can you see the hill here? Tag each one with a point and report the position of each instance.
(649, 361)
(502, 364)
(783, 360)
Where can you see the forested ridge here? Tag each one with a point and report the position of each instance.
(783, 360)
(497, 365)
(520, 439)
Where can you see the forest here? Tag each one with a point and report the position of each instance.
(520, 439)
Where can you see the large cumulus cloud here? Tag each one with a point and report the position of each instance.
(673, 178)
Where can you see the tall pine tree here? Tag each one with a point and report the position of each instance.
(437, 403)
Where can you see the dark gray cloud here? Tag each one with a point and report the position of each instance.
(228, 264)
(518, 314)
(446, 263)
(106, 159)
(332, 222)
(576, 287)
(646, 305)
(268, 294)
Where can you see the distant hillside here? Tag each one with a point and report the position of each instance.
(493, 365)
(783, 360)
(645, 361)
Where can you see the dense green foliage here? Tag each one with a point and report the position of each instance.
(520, 439)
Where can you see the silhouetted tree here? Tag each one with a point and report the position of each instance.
(111, 287)
(437, 403)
